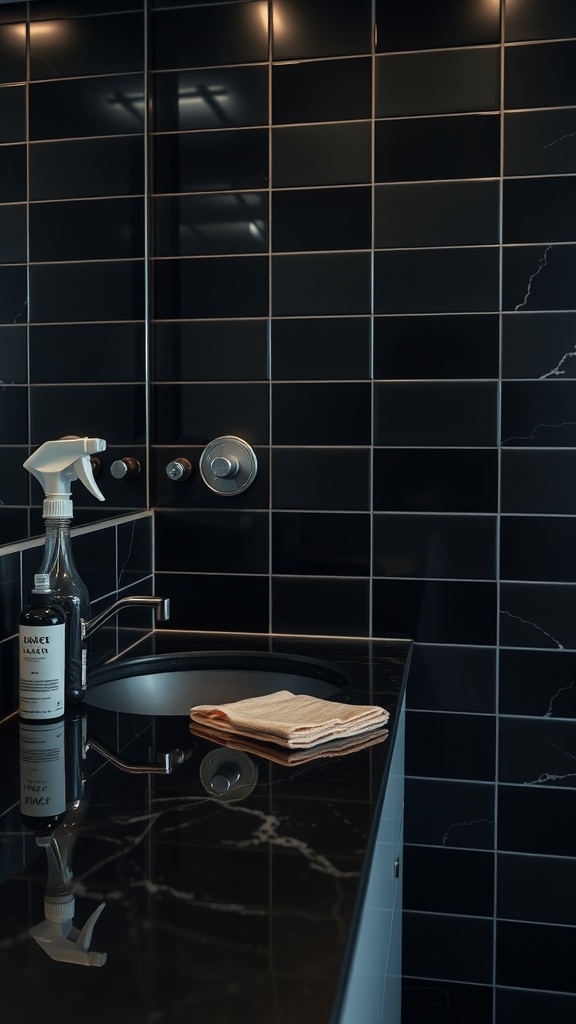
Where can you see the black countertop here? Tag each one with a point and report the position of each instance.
(216, 911)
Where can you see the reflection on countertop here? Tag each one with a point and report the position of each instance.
(221, 904)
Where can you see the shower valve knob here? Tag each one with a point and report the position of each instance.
(125, 469)
(225, 468)
(179, 469)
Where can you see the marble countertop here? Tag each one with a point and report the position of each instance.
(216, 910)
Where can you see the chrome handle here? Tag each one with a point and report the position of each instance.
(125, 469)
(179, 469)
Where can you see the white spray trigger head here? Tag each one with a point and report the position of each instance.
(56, 464)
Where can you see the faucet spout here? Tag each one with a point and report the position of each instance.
(160, 604)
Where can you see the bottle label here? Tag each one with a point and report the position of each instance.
(42, 769)
(42, 657)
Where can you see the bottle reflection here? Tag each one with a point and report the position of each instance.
(53, 802)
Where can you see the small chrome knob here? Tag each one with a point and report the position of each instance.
(125, 469)
(179, 469)
(225, 468)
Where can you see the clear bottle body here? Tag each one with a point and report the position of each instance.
(71, 594)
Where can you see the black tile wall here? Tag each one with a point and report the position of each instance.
(362, 260)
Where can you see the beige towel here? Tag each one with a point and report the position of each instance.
(338, 748)
(291, 720)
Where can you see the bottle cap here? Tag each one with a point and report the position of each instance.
(42, 583)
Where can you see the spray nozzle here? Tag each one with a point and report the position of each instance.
(56, 464)
(60, 939)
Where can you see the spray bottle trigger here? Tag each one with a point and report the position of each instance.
(83, 470)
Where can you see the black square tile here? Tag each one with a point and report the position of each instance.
(538, 683)
(538, 481)
(321, 348)
(104, 45)
(418, 25)
(203, 36)
(43, 9)
(225, 541)
(108, 105)
(441, 213)
(438, 82)
(437, 280)
(435, 611)
(321, 154)
(10, 592)
(328, 90)
(548, 880)
(134, 544)
(321, 284)
(539, 209)
(332, 218)
(216, 603)
(13, 114)
(210, 350)
(435, 480)
(436, 413)
(449, 814)
(533, 752)
(451, 870)
(230, 97)
(213, 161)
(15, 486)
(13, 361)
(532, 20)
(13, 246)
(10, 13)
(538, 345)
(9, 666)
(537, 615)
(310, 478)
(197, 413)
(439, 547)
(540, 142)
(321, 28)
(464, 746)
(97, 229)
(454, 346)
(13, 174)
(427, 148)
(441, 946)
(76, 292)
(13, 295)
(538, 414)
(13, 524)
(87, 167)
(233, 222)
(540, 75)
(550, 541)
(538, 277)
(320, 607)
(13, 53)
(64, 353)
(452, 679)
(320, 544)
(520, 806)
(536, 956)
(321, 414)
(533, 1007)
(426, 1002)
(211, 287)
(90, 411)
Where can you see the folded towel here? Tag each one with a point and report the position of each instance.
(338, 748)
(290, 719)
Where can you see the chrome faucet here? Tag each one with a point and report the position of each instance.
(161, 604)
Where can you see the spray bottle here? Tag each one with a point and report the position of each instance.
(56, 464)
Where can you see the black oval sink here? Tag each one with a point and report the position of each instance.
(172, 684)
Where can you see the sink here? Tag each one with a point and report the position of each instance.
(172, 684)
